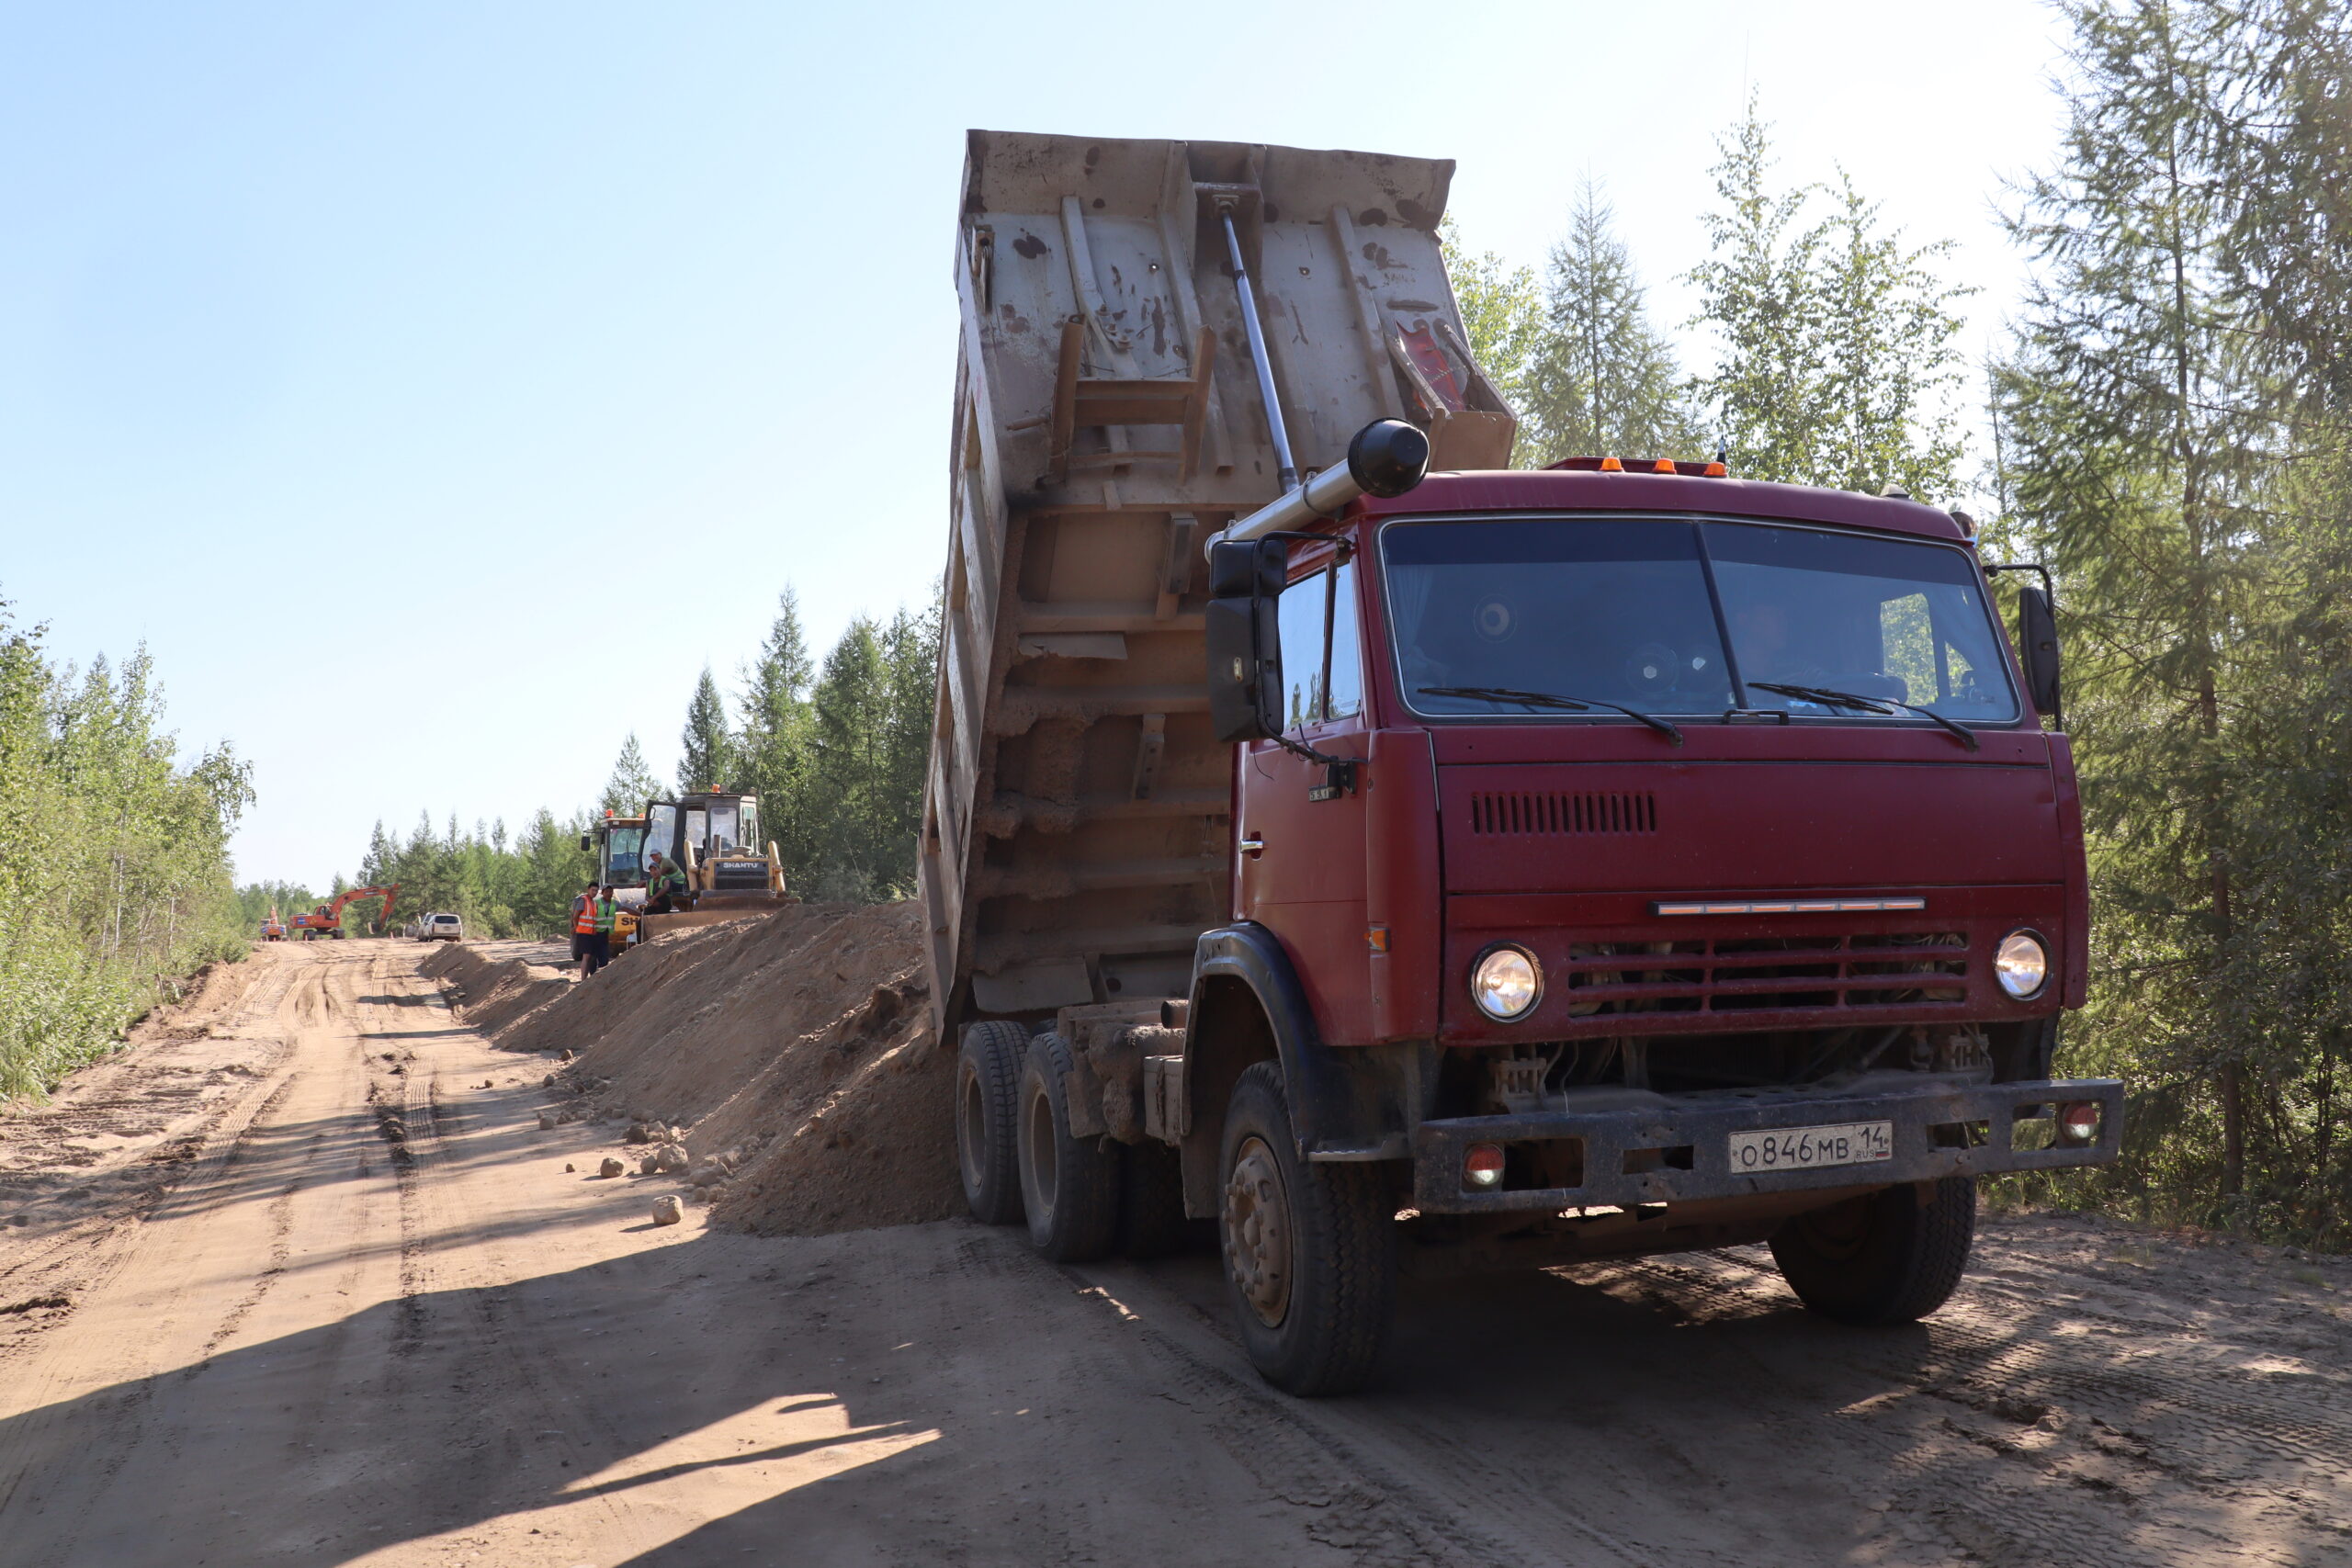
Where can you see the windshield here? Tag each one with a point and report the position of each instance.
(724, 836)
(661, 830)
(1635, 612)
(621, 848)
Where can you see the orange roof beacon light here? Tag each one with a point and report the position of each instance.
(1689, 469)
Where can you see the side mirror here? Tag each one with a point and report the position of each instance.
(2038, 626)
(1245, 653)
(587, 842)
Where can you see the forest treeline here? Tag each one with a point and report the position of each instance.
(114, 866)
(835, 751)
(2168, 425)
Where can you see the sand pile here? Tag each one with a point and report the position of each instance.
(798, 1042)
(500, 983)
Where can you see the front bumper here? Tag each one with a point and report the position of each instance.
(1678, 1145)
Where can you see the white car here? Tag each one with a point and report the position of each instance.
(441, 928)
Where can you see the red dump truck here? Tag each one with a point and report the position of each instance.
(1415, 864)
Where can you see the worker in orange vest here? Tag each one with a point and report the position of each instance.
(579, 905)
(591, 928)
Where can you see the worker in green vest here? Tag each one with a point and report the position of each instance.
(665, 886)
(597, 951)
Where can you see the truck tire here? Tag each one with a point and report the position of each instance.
(1310, 1250)
(1887, 1256)
(987, 1088)
(1069, 1186)
(1151, 1202)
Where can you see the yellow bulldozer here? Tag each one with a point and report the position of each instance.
(723, 869)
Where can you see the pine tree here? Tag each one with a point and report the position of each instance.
(1835, 341)
(1766, 393)
(2278, 135)
(1887, 341)
(1604, 382)
(632, 784)
(910, 650)
(707, 760)
(850, 736)
(2138, 444)
(775, 737)
(775, 685)
(2285, 141)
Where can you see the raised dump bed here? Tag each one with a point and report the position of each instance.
(1110, 418)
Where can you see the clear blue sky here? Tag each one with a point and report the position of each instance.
(531, 349)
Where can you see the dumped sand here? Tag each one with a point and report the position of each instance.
(500, 983)
(797, 1046)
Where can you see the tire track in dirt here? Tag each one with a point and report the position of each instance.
(1389, 1503)
(473, 1331)
(2038, 1397)
(1995, 1364)
(191, 1257)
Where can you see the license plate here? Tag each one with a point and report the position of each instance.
(1810, 1149)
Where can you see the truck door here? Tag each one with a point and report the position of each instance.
(1299, 851)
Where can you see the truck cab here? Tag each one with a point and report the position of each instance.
(1701, 835)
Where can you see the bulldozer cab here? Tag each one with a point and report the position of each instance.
(715, 839)
(620, 845)
(712, 824)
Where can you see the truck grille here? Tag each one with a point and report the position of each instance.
(1547, 812)
(1758, 973)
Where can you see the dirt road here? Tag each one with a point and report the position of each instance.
(292, 1285)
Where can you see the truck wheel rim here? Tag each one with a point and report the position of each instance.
(1038, 1129)
(972, 1122)
(1257, 1231)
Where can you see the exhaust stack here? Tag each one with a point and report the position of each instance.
(1387, 457)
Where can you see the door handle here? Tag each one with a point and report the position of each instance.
(1253, 846)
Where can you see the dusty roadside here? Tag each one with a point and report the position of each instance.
(116, 1135)
(365, 1315)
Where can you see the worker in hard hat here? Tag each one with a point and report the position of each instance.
(665, 885)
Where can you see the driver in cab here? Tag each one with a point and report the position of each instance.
(665, 885)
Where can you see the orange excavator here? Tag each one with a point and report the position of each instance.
(273, 929)
(327, 918)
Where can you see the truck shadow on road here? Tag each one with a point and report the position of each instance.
(934, 1392)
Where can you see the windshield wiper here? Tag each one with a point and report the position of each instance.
(1552, 700)
(1880, 706)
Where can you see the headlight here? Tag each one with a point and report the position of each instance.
(2021, 965)
(1506, 983)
